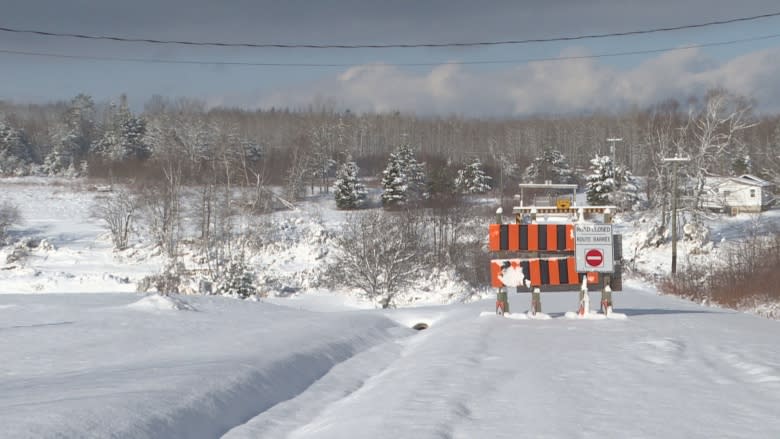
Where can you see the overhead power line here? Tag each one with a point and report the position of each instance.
(421, 64)
(385, 46)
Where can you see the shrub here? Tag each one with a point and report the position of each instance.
(747, 271)
(9, 216)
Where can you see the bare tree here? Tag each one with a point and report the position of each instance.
(297, 174)
(660, 140)
(117, 212)
(378, 254)
(162, 204)
(712, 135)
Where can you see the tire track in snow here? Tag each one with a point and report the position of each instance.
(750, 370)
(341, 382)
(666, 351)
(406, 389)
(232, 399)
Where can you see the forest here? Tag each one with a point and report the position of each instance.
(177, 158)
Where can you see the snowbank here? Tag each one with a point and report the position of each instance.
(93, 366)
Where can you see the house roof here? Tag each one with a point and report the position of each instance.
(746, 179)
(756, 180)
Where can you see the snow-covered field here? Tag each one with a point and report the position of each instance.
(327, 365)
(118, 365)
(69, 250)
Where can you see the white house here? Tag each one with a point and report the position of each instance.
(746, 193)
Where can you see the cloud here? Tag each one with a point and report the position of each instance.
(536, 87)
(539, 87)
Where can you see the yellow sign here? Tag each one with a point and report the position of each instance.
(563, 203)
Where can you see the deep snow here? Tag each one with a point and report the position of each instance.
(328, 365)
(98, 366)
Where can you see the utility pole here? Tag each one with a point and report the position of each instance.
(675, 160)
(612, 148)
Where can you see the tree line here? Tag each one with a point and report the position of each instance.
(720, 131)
(223, 161)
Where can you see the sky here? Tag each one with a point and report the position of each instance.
(381, 79)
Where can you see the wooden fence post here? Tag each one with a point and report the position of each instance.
(502, 302)
(536, 301)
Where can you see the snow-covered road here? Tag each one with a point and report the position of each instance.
(90, 366)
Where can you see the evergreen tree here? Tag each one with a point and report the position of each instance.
(393, 183)
(347, 190)
(552, 166)
(601, 182)
(62, 156)
(124, 136)
(238, 279)
(415, 173)
(741, 164)
(472, 179)
(15, 152)
(80, 122)
(132, 138)
(441, 182)
(403, 180)
(610, 184)
(71, 137)
(253, 151)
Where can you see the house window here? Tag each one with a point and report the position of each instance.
(726, 193)
(752, 193)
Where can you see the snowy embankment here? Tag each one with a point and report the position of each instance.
(649, 257)
(95, 366)
(113, 366)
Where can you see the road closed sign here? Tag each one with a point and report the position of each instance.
(593, 248)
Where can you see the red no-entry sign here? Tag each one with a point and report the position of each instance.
(594, 257)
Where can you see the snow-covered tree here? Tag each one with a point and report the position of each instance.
(602, 181)
(440, 182)
(9, 216)
(472, 179)
(297, 173)
(741, 164)
(378, 253)
(15, 152)
(238, 280)
(70, 137)
(347, 190)
(253, 151)
(118, 213)
(610, 184)
(133, 130)
(64, 149)
(124, 136)
(552, 166)
(713, 131)
(394, 183)
(324, 141)
(80, 120)
(403, 180)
